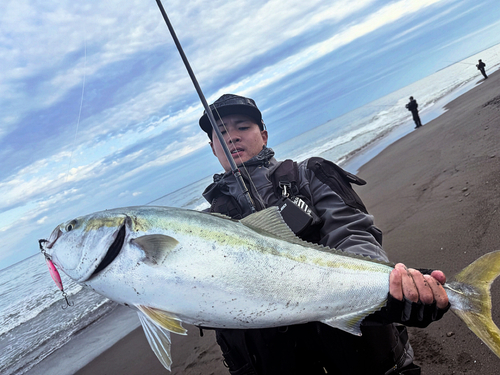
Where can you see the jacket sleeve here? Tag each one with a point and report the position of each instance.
(343, 227)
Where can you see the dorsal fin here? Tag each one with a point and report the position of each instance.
(269, 222)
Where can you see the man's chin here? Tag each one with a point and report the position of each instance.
(240, 159)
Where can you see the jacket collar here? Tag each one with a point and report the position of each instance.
(264, 158)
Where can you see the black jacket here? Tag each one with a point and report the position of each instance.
(307, 348)
(412, 106)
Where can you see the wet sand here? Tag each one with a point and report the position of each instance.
(435, 194)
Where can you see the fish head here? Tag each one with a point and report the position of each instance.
(84, 246)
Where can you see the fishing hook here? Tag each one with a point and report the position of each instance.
(54, 273)
(68, 303)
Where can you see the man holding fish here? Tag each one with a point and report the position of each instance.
(316, 200)
(265, 274)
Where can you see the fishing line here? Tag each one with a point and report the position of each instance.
(52, 269)
(81, 105)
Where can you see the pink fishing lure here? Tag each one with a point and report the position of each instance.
(53, 272)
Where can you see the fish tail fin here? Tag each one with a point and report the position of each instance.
(471, 289)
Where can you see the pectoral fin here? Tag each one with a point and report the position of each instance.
(156, 246)
(159, 340)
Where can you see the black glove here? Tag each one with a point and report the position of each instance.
(411, 314)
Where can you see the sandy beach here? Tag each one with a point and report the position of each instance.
(435, 194)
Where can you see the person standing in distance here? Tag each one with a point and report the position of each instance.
(480, 66)
(412, 106)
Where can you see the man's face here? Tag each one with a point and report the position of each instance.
(243, 138)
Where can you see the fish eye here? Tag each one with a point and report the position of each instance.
(70, 226)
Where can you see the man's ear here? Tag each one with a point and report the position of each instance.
(265, 136)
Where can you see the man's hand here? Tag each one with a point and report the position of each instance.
(410, 283)
(415, 300)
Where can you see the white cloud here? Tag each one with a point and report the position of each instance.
(41, 38)
(46, 176)
(382, 17)
(171, 153)
(99, 34)
(42, 220)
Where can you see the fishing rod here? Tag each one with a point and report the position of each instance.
(461, 62)
(381, 105)
(234, 168)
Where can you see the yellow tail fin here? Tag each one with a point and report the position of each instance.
(470, 298)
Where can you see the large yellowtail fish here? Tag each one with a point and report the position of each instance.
(175, 265)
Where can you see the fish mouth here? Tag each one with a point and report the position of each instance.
(112, 252)
(54, 236)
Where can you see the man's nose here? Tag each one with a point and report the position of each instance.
(233, 137)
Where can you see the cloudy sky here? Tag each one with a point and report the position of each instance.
(97, 110)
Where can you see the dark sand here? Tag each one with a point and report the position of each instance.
(435, 194)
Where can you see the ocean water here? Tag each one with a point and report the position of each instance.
(34, 318)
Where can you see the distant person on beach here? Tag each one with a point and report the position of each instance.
(326, 210)
(412, 106)
(480, 66)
